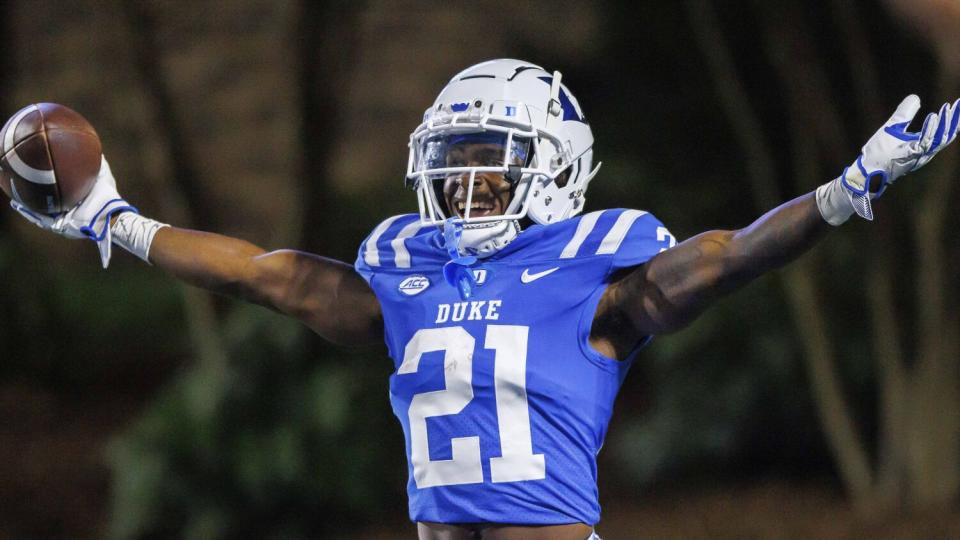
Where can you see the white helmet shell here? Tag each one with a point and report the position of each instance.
(542, 129)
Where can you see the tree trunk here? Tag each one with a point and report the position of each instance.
(328, 49)
(183, 199)
(935, 421)
(841, 432)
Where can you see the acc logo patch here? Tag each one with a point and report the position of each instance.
(414, 285)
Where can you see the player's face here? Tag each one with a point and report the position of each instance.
(491, 191)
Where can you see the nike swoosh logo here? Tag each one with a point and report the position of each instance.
(527, 277)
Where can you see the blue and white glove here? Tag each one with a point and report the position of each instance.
(891, 153)
(90, 218)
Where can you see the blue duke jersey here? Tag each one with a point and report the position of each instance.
(504, 403)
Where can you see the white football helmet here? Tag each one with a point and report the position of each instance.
(543, 148)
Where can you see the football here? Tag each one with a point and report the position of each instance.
(49, 159)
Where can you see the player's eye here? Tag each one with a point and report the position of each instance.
(489, 158)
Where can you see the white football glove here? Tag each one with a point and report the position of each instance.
(893, 152)
(90, 218)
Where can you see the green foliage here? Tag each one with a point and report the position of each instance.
(288, 441)
(727, 398)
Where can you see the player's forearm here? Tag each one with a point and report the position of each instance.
(776, 238)
(726, 260)
(210, 261)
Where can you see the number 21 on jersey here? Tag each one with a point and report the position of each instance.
(517, 461)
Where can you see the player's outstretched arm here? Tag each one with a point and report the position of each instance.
(674, 287)
(325, 294)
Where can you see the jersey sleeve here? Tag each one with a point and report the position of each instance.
(635, 238)
(385, 247)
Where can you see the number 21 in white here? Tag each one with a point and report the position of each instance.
(517, 461)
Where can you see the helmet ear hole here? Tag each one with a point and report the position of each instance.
(564, 177)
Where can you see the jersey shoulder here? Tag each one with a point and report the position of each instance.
(399, 243)
(627, 237)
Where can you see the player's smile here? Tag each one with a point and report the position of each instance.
(491, 192)
(491, 195)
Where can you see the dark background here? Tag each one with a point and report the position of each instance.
(820, 401)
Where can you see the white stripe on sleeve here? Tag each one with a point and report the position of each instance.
(611, 242)
(371, 255)
(584, 228)
(403, 256)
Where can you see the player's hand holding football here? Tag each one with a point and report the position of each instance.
(90, 218)
(891, 153)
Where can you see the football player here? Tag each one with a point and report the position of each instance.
(511, 317)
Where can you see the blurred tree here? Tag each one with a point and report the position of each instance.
(720, 401)
(928, 416)
(327, 58)
(282, 451)
(268, 436)
(919, 462)
(185, 201)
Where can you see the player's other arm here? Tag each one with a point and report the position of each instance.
(671, 289)
(325, 294)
